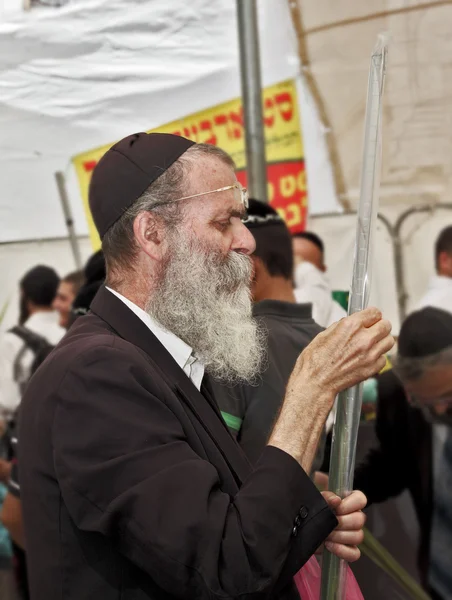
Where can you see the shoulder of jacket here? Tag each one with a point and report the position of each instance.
(98, 346)
(97, 353)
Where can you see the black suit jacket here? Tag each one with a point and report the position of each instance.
(133, 488)
(403, 459)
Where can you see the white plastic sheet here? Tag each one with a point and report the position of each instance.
(92, 71)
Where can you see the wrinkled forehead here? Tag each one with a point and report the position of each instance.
(210, 177)
(209, 173)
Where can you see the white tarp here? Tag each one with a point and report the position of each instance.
(88, 73)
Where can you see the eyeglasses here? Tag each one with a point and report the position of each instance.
(240, 194)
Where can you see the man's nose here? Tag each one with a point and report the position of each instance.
(243, 240)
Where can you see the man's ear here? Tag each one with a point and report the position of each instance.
(149, 232)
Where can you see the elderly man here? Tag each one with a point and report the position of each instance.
(132, 485)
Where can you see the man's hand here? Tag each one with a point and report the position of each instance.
(349, 533)
(347, 353)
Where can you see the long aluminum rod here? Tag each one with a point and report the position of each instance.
(61, 183)
(345, 431)
(250, 72)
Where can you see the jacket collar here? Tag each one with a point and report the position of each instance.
(179, 350)
(130, 327)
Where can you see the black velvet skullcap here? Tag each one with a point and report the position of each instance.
(126, 170)
(425, 332)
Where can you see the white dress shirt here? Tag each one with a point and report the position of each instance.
(45, 324)
(439, 294)
(179, 350)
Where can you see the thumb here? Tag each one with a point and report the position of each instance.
(331, 499)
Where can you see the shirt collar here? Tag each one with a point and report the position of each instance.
(179, 350)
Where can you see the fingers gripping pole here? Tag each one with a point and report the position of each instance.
(345, 431)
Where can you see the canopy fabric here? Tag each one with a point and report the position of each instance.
(92, 71)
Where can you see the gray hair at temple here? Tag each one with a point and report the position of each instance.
(425, 341)
(118, 244)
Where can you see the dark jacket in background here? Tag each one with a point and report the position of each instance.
(403, 459)
(132, 486)
(251, 410)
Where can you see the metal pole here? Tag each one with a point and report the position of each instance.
(345, 431)
(252, 98)
(61, 183)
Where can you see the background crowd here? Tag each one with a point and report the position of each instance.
(293, 300)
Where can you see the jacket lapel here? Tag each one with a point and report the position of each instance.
(128, 326)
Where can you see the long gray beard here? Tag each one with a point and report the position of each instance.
(204, 299)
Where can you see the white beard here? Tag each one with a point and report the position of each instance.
(204, 298)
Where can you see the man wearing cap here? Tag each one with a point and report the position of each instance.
(414, 419)
(128, 471)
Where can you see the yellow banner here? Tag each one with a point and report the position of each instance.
(223, 126)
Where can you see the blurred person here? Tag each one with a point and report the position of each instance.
(250, 410)
(125, 461)
(311, 282)
(11, 511)
(414, 430)
(11, 520)
(67, 291)
(308, 246)
(95, 274)
(7, 583)
(22, 349)
(92, 277)
(439, 293)
(23, 345)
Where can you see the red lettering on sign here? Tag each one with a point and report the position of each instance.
(269, 112)
(285, 105)
(286, 192)
(89, 165)
(237, 119)
(206, 125)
